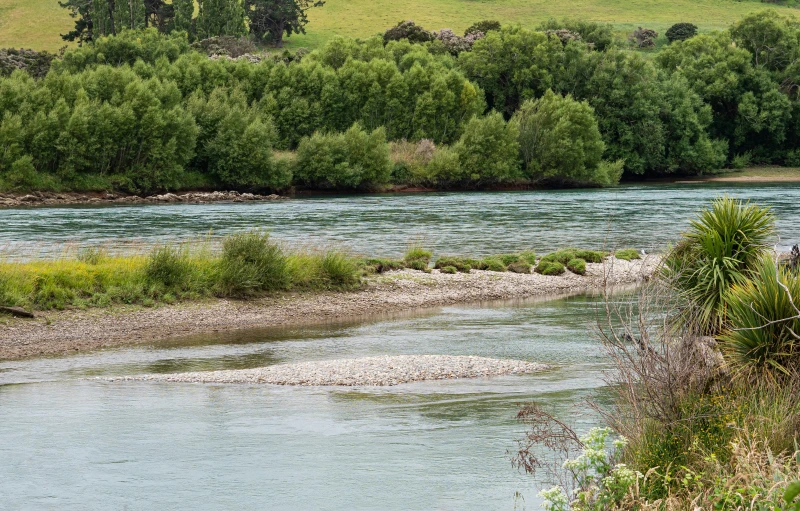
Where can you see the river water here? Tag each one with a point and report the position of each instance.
(644, 217)
(69, 440)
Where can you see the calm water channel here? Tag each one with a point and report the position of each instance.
(70, 441)
(644, 217)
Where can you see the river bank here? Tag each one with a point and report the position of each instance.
(74, 331)
(11, 200)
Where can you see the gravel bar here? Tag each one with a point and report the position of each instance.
(369, 371)
(66, 332)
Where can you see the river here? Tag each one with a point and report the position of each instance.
(70, 440)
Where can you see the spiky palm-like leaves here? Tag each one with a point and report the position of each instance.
(721, 249)
(764, 322)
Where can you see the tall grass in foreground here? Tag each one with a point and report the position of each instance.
(249, 265)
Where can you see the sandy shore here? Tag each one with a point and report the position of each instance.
(367, 371)
(75, 331)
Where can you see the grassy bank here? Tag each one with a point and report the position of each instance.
(247, 265)
(37, 23)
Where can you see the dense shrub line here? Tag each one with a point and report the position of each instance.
(565, 104)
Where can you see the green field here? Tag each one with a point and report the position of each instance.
(37, 23)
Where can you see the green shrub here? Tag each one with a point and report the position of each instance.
(721, 249)
(742, 161)
(488, 151)
(681, 32)
(550, 267)
(493, 263)
(444, 168)
(339, 271)
(590, 256)
(484, 27)
(92, 255)
(449, 269)
(599, 35)
(353, 159)
(559, 140)
(762, 320)
(627, 254)
(250, 264)
(519, 267)
(418, 265)
(168, 266)
(459, 263)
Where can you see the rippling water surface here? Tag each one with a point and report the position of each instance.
(645, 217)
(69, 441)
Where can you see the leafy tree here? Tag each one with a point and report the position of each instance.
(81, 11)
(681, 32)
(183, 16)
(270, 20)
(483, 27)
(772, 40)
(488, 151)
(220, 17)
(559, 139)
(353, 159)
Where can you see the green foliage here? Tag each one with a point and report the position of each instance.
(559, 140)
(742, 161)
(459, 263)
(127, 47)
(483, 27)
(167, 266)
(761, 320)
(577, 266)
(220, 18)
(488, 152)
(791, 493)
(339, 271)
(353, 159)
(408, 30)
(452, 270)
(681, 32)
(417, 258)
(627, 254)
(519, 267)
(270, 20)
(377, 265)
(494, 263)
(546, 267)
(251, 264)
(564, 256)
(722, 248)
(599, 35)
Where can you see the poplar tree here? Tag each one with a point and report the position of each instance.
(220, 18)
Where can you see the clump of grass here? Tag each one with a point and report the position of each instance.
(251, 264)
(627, 254)
(92, 255)
(377, 265)
(519, 267)
(169, 267)
(577, 266)
(452, 270)
(493, 263)
(417, 254)
(546, 267)
(461, 264)
(339, 271)
(564, 256)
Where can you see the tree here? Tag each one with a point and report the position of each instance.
(183, 16)
(559, 139)
(488, 151)
(269, 20)
(220, 17)
(681, 32)
(81, 11)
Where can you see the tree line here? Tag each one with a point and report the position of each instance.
(143, 110)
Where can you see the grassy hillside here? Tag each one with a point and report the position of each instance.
(38, 23)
